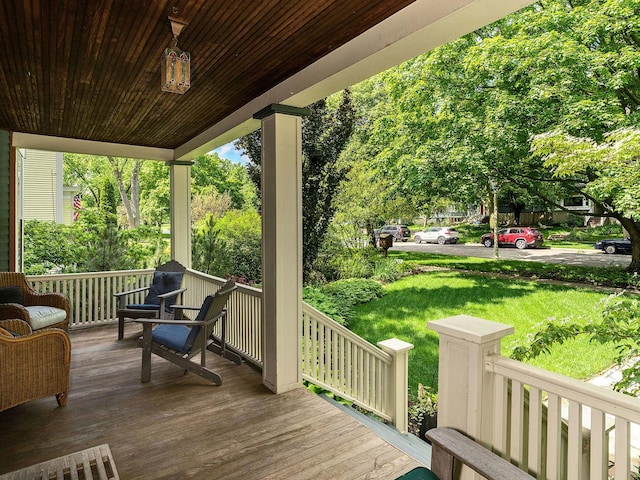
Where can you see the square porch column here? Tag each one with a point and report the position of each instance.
(281, 246)
(180, 178)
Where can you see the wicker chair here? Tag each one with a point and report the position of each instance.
(31, 298)
(33, 364)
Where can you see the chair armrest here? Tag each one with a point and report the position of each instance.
(189, 323)
(135, 290)
(20, 327)
(449, 445)
(57, 300)
(13, 310)
(172, 293)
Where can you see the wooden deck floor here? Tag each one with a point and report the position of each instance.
(179, 426)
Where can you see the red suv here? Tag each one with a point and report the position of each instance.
(521, 237)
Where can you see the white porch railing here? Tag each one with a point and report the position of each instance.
(92, 302)
(340, 361)
(552, 426)
(333, 357)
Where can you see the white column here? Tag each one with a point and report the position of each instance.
(281, 246)
(465, 390)
(180, 175)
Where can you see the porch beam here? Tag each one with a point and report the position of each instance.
(414, 30)
(88, 147)
(180, 180)
(281, 246)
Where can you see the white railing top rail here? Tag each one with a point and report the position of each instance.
(68, 276)
(246, 289)
(600, 398)
(347, 334)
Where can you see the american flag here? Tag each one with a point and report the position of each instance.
(76, 206)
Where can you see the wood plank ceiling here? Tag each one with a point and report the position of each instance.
(91, 69)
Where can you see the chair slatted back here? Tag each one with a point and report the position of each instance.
(212, 306)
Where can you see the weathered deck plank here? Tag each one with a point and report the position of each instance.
(181, 426)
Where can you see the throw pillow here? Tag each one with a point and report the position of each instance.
(11, 295)
(163, 282)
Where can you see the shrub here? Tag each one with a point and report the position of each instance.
(354, 291)
(388, 270)
(331, 306)
(336, 299)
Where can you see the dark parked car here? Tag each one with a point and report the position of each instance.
(614, 245)
(400, 232)
(521, 237)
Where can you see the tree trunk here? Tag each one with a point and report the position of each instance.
(635, 255)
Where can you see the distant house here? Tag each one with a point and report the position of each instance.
(41, 193)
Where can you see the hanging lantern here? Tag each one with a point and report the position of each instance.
(175, 63)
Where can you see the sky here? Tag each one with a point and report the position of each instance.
(229, 152)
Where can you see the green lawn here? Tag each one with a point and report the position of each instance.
(414, 300)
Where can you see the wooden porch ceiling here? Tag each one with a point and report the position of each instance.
(181, 426)
(91, 69)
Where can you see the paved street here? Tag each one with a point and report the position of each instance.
(569, 256)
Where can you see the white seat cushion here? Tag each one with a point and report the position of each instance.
(43, 316)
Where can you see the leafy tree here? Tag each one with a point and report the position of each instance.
(49, 246)
(230, 245)
(225, 177)
(325, 133)
(607, 173)
(462, 116)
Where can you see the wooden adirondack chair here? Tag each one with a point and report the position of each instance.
(180, 340)
(166, 286)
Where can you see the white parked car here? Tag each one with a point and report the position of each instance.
(439, 235)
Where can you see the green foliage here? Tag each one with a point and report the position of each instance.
(619, 326)
(336, 299)
(231, 245)
(337, 262)
(353, 291)
(327, 304)
(50, 246)
(224, 177)
(325, 132)
(89, 245)
(425, 404)
(599, 276)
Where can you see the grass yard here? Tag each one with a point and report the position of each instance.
(414, 300)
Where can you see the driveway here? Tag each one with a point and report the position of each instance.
(591, 258)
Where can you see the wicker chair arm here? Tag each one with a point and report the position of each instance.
(56, 300)
(35, 366)
(13, 310)
(20, 327)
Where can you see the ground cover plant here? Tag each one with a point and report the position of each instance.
(414, 300)
(597, 276)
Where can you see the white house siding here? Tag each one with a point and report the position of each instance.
(42, 188)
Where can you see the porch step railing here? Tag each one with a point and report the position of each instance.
(338, 360)
(552, 426)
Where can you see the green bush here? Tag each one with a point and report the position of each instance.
(388, 270)
(331, 306)
(336, 299)
(354, 291)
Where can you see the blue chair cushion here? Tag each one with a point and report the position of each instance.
(175, 337)
(163, 282)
